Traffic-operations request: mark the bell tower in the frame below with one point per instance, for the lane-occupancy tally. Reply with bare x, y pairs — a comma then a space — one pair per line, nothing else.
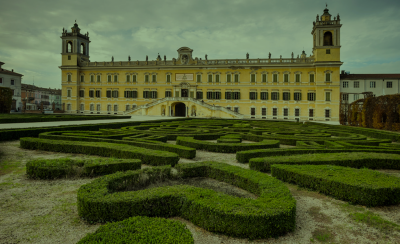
75, 46
326, 37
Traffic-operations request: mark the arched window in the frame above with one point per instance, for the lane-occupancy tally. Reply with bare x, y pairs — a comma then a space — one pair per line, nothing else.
328, 38
83, 50
69, 47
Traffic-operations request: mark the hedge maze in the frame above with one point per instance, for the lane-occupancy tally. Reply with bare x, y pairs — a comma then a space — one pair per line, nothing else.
339, 161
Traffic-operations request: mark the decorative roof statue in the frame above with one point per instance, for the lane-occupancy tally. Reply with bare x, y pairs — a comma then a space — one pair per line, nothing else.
129, 58
147, 58
247, 56
158, 57
165, 58
269, 55
281, 56
292, 54
206, 57
317, 17
112, 58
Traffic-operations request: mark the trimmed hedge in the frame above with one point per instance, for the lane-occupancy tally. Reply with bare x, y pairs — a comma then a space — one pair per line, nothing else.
141, 230
66, 167
232, 140
52, 117
358, 186
182, 151
354, 160
225, 147
147, 156
272, 214
245, 156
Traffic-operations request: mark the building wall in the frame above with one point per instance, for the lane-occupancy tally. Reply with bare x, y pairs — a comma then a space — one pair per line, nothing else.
6, 78
365, 86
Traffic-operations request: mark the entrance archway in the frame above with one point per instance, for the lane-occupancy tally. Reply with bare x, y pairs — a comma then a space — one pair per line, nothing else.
180, 110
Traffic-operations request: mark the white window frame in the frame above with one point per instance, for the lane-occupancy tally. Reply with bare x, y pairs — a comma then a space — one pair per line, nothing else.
372, 84
356, 84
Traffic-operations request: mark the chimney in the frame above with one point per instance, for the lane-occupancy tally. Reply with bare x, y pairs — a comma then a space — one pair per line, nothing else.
12, 70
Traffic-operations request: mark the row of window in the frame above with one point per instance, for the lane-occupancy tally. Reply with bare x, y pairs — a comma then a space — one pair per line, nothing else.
285, 112
345, 97
210, 78
372, 84
211, 95
98, 107
12, 81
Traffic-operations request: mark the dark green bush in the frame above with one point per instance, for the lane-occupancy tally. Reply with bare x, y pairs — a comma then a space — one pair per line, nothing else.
272, 214
66, 167
147, 156
358, 186
354, 160
231, 140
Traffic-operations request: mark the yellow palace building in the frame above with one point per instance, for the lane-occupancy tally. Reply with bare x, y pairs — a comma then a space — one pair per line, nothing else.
294, 88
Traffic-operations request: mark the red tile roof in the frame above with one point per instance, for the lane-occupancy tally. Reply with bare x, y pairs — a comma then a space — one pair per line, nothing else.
8, 72
369, 76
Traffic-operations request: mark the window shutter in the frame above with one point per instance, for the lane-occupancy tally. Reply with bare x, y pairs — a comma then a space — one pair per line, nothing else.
238, 95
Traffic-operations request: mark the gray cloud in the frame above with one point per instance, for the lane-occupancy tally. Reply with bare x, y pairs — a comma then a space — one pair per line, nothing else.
30, 41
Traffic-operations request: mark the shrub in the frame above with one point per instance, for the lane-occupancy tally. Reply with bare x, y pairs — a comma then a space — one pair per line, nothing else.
65, 167
147, 156
354, 160
358, 186
271, 214
232, 140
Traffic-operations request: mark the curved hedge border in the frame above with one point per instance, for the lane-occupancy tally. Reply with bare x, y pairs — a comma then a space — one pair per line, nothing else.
358, 186
51, 117
147, 156
229, 140
66, 167
245, 156
272, 214
182, 151
141, 230
354, 160
225, 147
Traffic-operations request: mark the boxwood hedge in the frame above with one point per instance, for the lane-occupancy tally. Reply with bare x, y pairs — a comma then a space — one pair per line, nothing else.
141, 230
354, 160
358, 186
66, 167
147, 156
272, 214
225, 147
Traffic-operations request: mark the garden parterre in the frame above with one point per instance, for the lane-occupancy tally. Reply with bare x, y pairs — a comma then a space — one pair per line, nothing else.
327, 145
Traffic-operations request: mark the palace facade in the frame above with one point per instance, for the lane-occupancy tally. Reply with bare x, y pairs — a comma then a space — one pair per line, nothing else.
302, 87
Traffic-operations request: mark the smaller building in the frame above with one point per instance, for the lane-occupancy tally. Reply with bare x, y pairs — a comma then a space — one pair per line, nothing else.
36, 95
352, 85
11, 79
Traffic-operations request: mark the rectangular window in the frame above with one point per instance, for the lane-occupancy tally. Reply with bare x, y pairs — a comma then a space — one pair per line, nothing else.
81, 93
198, 78
311, 112
69, 107
92, 78
98, 93
98, 78
285, 112
69, 57
236, 109
209, 95
356, 84
199, 95
264, 95
128, 78
328, 51
297, 77
127, 107
328, 77
91, 107
133, 78
168, 94
297, 112
146, 78
68, 93
236, 78
253, 111
109, 108
275, 77
264, 78
228, 78
327, 113
274, 112
263, 111
108, 94
210, 78
286, 96
154, 79
82, 78
345, 84
168, 78
146, 94
275, 96
91, 93
236, 95
311, 78
12, 82
228, 95
115, 78
216, 78
311, 96
153, 94
253, 96
372, 84
108, 78
286, 78
356, 97
115, 94
68, 77
82, 107
253, 77
345, 97
115, 108
297, 96
98, 107
388, 84
327, 96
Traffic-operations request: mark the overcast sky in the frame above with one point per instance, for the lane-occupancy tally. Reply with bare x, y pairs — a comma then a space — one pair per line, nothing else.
30, 31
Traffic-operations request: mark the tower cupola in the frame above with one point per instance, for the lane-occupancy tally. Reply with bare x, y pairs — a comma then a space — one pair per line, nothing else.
75, 28
326, 16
